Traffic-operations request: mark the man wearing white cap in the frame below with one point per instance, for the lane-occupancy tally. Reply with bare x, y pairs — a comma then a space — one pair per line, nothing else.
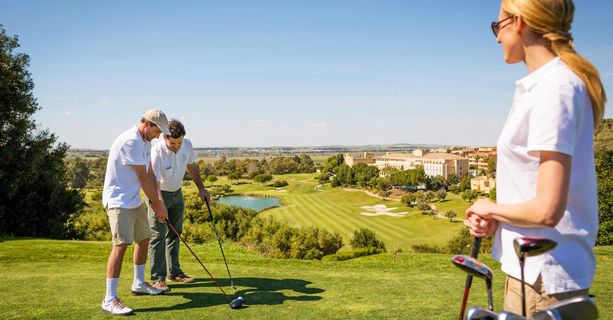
128, 171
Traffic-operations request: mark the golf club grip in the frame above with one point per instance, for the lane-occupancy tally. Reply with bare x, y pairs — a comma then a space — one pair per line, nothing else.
469, 278
218, 240
190, 250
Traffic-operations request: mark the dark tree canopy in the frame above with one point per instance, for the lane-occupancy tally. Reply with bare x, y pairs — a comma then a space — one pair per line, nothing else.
36, 199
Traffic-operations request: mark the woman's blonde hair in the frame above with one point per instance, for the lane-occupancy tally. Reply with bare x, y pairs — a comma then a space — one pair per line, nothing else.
552, 19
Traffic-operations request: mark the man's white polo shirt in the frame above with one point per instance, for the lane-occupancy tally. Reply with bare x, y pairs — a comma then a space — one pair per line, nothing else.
121, 184
169, 167
551, 112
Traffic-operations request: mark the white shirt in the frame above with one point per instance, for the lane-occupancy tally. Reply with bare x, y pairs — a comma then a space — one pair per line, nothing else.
169, 167
121, 184
551, 111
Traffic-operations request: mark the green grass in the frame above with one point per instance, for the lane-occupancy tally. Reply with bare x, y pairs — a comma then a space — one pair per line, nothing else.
339, 210
48, 279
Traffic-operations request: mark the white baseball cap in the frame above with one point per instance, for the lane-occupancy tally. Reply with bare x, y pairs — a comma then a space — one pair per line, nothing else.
159, 119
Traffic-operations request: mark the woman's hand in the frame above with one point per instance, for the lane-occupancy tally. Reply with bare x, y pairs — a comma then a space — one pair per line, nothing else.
479, 217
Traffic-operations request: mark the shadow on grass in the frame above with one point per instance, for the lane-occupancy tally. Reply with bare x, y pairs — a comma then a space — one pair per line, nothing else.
255, 291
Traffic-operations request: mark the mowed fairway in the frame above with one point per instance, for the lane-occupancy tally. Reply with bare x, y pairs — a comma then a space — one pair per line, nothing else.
339, 210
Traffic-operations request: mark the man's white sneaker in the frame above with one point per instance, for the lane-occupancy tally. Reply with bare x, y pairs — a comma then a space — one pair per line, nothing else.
146, 290
116, 308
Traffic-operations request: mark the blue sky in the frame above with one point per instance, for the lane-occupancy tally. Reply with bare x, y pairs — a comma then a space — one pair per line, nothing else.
270, 73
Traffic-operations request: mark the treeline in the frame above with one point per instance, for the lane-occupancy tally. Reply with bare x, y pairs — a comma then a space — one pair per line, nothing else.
253, 167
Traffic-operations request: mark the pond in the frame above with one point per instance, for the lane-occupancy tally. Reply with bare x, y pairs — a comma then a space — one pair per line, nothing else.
250, 202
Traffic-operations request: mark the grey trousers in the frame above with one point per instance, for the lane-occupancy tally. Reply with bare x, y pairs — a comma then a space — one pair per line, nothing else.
164, 244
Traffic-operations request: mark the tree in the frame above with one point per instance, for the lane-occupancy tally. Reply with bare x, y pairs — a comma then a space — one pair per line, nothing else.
36, 199
383, 193
491, 165
492, 194
453, 179
211, 178
262, 178
441, 194
437, 182
423, 205
469, 195
408, 199
364, 238
465, 183
604, 174
429, 195
433, 213
451, 215
234, 176
78, 170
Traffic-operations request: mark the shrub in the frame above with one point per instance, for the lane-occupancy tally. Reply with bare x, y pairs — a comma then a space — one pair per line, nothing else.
362, 252
363, 238
280, 183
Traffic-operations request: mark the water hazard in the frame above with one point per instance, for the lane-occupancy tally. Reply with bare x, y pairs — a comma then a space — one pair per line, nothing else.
251, 202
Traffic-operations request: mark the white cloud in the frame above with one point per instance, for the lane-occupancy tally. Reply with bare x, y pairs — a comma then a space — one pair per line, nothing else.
67, 113
318, 125
104, 101
262, 124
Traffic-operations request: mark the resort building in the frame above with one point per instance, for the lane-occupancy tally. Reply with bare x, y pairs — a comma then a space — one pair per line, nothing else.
434, 164
482, 184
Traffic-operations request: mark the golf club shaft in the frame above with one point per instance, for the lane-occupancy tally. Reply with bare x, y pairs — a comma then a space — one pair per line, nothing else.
490, 299
190, 250
523, 287
469, 278
218, 240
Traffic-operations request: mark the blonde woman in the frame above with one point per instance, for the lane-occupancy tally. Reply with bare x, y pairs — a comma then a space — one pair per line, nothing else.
546, 181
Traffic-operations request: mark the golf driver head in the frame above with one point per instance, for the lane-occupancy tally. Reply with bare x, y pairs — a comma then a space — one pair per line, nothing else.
475, 313
578, 308
506, 315
472, 266
237, 303
532, 246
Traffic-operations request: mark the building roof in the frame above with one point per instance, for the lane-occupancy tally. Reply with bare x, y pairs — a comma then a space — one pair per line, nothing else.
446, 156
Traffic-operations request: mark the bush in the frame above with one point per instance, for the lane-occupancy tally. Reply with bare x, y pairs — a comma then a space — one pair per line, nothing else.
97, 196
362, 252
280, 183
363, 238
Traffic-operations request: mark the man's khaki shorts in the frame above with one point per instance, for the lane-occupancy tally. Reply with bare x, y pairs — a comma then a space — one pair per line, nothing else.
536, 297
129, 225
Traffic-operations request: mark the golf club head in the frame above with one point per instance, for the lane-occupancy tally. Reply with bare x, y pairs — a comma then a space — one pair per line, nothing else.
475, 313
506, 315
530, 247
578, 308
232, 284
472, 266
237, 303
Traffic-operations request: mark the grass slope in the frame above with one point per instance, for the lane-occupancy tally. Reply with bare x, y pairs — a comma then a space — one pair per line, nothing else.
49, 279
339, 210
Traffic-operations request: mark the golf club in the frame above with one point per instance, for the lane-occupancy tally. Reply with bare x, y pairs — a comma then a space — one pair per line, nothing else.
506, 315
234, 304
219, 241
530, 247
477, 269
469, 277
578, 308
475, 313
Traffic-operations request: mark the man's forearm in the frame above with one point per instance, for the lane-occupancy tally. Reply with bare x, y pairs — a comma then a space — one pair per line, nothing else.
192, 169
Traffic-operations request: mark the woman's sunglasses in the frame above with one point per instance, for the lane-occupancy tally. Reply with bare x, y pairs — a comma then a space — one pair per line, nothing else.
496, 25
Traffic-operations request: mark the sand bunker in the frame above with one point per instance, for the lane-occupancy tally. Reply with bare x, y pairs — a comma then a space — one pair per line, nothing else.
381, 210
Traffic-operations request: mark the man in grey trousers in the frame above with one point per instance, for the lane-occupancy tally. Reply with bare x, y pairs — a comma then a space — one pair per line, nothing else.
170, 158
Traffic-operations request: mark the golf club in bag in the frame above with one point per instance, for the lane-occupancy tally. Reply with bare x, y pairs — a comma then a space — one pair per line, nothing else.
476, 268
530, 247
219, 241
234, 304
469, 277
578, 308
475, 313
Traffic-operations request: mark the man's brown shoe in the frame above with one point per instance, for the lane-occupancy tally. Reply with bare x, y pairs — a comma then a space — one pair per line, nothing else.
181, 277
161, 285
